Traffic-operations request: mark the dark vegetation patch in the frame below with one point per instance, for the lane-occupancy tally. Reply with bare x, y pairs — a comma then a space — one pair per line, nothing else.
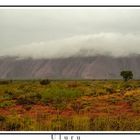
45, 82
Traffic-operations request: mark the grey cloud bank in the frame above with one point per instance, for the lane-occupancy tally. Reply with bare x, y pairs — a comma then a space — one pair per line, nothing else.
111, 44
69, 32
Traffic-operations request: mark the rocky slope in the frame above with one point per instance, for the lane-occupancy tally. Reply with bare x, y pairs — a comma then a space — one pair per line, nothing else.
99, 67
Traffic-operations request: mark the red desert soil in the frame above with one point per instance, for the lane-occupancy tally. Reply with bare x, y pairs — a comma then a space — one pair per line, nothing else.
98, 107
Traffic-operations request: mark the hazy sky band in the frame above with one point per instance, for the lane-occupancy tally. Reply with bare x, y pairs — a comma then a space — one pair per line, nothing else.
61, 32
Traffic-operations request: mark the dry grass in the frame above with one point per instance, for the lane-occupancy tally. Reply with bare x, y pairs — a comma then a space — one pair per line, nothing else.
70, 105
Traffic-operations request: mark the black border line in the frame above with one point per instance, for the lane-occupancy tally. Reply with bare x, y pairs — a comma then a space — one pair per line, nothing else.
70, 133
63, 133
69, 5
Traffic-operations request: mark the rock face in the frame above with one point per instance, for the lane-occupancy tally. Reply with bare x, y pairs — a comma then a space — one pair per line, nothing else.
98, 67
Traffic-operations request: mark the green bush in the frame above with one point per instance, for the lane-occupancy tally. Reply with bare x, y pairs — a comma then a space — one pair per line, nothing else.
61, 93
59, 96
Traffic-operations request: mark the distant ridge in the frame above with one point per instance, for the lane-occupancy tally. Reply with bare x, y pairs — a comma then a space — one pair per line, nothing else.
98, 67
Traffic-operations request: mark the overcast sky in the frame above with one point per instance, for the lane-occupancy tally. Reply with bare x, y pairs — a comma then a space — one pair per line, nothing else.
65, 32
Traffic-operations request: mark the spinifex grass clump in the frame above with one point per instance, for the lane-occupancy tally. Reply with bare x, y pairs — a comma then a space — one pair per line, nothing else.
59, 97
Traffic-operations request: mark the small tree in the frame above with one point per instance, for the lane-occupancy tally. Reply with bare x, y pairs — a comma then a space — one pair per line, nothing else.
127, 75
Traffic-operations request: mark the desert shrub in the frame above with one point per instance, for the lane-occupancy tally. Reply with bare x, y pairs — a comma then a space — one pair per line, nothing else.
80, 105
27, 107
81, 123
113, 100
19, 123
2, 118
126, 86
72, 85
13, 94
90, 93
98, 124
76, 123
5, 82
100, 92
2, 122
57, 123
13, 126
13, 123
87, 83
18, 92
28, 99
8, 95
130, 99
95, 92
111, 124
67, 124
77, 106
23, 100
6, 104
22, 87
136, 106
119, 123
45, 82
85, 123
110, 90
